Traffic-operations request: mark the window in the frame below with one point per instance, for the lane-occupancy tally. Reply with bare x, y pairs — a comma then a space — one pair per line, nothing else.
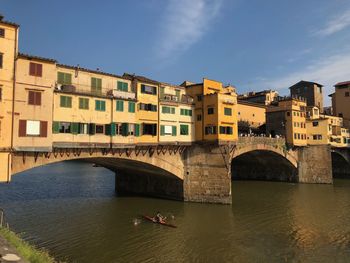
149, 129
35, 69
167, 130
147, 107
84, 103
185, 112
210, 111
96, 86
226, 130
210, 130
177, 92
66, 101
0, 93
168, 110
64, 78
199, 97
347, 94
99, 129
131, 106
317, 137
2, 32
295, 136
1, 59
120, 105
100, 105
288, 113
183, 129
294, 113
228, 111
34, 97
83, 128
340, 115
298, 136
315, 123
33, 128
64, 127
148, 89
122, 86
199, 117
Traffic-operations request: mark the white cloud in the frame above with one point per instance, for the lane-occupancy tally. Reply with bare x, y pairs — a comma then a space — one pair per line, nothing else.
183, 24
326, 71
335, 25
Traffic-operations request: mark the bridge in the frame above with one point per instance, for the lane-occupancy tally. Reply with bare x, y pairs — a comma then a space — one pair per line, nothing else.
201, 172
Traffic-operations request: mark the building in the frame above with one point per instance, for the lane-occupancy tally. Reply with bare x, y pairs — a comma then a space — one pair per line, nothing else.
287, 118
325, 129
251, 117
311, 91
215, 111
341, 101
265, 97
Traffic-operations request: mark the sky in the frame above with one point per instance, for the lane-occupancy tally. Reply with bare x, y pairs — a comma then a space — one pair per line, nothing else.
253, 45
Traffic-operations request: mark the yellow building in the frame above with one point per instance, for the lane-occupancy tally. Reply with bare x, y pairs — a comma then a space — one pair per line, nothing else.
215, 111
341, 101
287, 118
8, 53
325, 129
176, 118
251, 117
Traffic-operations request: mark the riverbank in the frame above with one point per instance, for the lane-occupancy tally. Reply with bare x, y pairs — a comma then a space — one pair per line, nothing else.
12, 246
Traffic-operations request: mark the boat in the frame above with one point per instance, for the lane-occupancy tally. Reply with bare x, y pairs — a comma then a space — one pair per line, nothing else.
156, 222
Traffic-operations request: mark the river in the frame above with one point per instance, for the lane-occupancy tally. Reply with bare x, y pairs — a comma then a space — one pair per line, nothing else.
71, 210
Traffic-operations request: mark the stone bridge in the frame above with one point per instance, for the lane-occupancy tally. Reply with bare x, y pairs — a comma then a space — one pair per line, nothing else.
199, 172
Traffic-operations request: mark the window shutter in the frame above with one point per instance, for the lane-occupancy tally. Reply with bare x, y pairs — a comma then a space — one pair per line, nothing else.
37, 98
55, 127
60, 77
125, 129
22, 129
69, 102
108, 129
137, 130
174, 131
131, 106
92, 128
39, 70
113, 129
189, 112
43, 129
103, 103
162, 130
74, 128
172, 110
97, 104
31, 69
31, 98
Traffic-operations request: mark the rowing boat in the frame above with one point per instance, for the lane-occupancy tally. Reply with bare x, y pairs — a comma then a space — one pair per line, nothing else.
156, 222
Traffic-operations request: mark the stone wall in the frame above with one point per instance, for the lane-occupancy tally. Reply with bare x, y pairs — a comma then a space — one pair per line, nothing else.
207, 177
315, 164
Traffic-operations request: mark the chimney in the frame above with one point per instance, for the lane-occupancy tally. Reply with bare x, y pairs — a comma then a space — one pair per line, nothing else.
1, 17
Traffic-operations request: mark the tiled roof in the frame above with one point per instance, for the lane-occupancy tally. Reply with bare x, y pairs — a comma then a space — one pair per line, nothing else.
303, 81
8, 23
140, 78
90, 70
342, 83
22, 55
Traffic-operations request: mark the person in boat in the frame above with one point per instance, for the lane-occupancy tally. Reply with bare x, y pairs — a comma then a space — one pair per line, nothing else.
159, 218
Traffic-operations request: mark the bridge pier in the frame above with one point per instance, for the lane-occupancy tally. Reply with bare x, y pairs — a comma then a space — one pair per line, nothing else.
207, 176
315, 164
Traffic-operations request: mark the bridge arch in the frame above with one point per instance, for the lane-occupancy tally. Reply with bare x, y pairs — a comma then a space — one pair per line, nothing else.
264, 162
340, 164
152, 173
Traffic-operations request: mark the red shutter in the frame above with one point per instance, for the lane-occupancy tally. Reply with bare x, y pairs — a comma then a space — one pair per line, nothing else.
32, 69
39, 70
22, 129
37, 98
43, 129
31, 97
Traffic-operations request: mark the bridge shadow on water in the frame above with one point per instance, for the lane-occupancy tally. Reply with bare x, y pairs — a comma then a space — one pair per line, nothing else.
340, 166
263, 165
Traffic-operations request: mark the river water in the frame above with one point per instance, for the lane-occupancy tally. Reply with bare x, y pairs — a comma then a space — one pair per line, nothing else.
71, 210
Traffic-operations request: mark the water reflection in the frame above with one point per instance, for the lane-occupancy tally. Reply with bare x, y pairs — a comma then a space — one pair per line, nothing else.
71, 210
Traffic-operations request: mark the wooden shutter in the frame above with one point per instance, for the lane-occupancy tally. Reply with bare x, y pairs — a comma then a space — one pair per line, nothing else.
113, 129
108, 130
37, 97
31, 97
75, 128
32, 69
43, 128
142, 88
60, 77
39, 70
92, 128
137, 130
162, 130
22, 129
55, 127
174, 131
125, 129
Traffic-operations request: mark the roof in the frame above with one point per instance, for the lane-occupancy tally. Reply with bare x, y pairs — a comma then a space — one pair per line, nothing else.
30, 57
303, 81
8, 23
342, 83
90, 70
140, 78
253, 104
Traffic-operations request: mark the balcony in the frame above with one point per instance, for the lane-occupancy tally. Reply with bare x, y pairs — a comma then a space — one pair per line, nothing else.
174, 99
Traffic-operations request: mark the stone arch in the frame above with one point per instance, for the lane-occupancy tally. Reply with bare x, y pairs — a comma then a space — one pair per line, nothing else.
340, 164
263, 162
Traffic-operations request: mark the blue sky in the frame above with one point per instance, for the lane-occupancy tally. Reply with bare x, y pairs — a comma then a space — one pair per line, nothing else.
253, 45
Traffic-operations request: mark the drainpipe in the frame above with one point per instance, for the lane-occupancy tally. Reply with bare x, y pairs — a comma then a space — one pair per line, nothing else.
13, 101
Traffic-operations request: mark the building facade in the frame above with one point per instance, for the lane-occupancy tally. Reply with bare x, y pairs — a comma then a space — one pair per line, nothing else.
251, 117
311, 91
341, 101
265, 97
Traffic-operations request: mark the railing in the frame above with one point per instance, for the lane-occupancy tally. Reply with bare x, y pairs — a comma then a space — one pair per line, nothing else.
261, 140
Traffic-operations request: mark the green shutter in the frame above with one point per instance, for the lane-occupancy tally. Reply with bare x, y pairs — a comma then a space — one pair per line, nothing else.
113, 129
55, 127
162, 130
189, 112
120, 105
137, 130
103, 104
182, 111
177, 94
174, 131
68, 79
60, 78
131, 106
97, 104
92, 128
172, 110
74, 128
119, 85
107, 129
125, 129
183, 129
161, 92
